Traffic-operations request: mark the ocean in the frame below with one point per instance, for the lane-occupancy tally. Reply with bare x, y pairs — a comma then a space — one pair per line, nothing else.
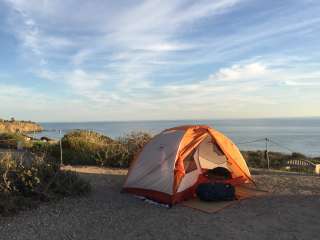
286, 134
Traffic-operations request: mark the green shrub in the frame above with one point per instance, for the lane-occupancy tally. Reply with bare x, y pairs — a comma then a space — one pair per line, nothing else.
91, 148
68, 183
23, 184
41, 147
133, 143
24, 177
277, 160
122, 152
10, 140
255, 158
258, 159
84, 136
113, 155
7, 165
83, 147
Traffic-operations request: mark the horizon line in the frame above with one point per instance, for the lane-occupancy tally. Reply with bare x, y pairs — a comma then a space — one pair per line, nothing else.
177, 120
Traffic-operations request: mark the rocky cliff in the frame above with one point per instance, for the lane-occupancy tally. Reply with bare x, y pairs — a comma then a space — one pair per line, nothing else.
19, 126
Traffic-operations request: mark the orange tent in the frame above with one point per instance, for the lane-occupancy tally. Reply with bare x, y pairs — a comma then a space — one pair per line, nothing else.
168, 168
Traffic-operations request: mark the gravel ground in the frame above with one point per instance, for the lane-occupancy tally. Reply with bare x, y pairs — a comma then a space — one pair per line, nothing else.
291, 211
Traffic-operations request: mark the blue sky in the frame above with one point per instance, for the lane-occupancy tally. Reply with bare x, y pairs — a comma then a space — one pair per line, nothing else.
79, 60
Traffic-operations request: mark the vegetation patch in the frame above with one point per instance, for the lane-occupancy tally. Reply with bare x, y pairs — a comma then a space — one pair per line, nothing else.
26, 182
12, 140
83, 147
90, 148
277, 160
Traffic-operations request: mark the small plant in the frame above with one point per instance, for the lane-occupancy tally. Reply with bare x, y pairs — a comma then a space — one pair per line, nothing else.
68, 183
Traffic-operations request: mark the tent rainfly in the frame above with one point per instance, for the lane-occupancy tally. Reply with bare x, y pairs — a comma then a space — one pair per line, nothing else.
167, 169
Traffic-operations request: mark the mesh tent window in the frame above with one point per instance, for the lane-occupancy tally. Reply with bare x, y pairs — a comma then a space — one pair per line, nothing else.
190, 163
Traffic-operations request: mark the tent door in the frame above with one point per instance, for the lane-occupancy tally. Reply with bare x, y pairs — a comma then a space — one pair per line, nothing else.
191, 177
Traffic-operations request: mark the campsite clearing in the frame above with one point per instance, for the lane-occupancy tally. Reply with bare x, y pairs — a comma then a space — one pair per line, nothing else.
290, 212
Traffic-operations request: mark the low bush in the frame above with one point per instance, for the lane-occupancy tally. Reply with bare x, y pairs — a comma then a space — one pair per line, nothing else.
113, 155
134, 142
277, 160
24, 184
41, 147
78, 137
122, 152
67, 183
90, 148
83, 147
11, 140
254, 158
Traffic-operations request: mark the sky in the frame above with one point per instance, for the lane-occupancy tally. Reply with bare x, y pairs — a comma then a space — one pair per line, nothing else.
99, 60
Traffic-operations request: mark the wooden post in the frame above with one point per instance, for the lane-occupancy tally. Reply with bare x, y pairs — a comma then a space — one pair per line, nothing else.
60, 143
267, 153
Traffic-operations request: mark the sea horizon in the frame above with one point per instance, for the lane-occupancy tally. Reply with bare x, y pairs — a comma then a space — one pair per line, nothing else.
295, 134
186, 119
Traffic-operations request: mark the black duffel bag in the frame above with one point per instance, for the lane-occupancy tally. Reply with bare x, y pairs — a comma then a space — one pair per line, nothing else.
215, 192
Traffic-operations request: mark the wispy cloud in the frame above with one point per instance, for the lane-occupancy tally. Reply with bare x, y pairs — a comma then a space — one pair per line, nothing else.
156, 57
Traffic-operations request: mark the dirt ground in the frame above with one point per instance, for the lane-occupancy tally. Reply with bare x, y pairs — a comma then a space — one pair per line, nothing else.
291, 211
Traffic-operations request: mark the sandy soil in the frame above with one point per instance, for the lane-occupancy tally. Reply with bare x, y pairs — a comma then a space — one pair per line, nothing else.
291, 211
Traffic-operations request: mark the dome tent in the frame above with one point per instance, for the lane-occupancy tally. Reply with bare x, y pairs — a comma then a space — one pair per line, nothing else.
167, 169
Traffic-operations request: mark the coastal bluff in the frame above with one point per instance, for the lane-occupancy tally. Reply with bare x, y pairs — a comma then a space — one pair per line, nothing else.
19, 126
